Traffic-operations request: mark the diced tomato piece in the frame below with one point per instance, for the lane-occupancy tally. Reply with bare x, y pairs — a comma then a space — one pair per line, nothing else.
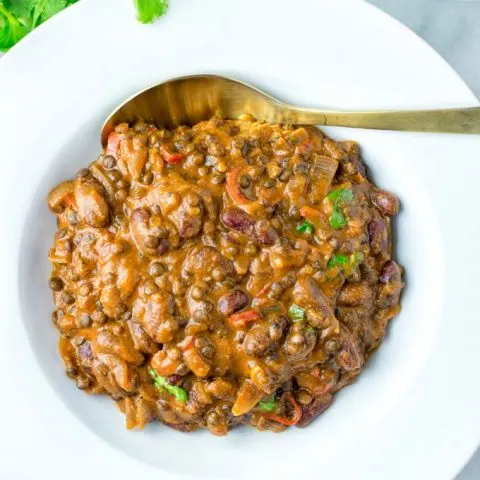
309, 212
113, 143
169, 157
241, 318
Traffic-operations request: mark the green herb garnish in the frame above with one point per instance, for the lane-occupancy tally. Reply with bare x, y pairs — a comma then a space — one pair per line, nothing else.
268, 405
161, 383
306, 227
345, 262
340, 195
11, 29
296, 313
337, 197
338, 260
19, 17
337, 219
149, 10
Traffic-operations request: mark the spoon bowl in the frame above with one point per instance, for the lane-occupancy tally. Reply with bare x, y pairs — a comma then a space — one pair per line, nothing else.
189, 100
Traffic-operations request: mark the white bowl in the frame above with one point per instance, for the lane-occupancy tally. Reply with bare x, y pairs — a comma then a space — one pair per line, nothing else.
345, 54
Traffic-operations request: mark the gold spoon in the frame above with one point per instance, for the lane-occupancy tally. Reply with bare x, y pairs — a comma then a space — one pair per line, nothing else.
188, 100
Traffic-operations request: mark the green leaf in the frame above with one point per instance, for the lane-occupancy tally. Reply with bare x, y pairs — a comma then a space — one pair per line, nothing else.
340, 195
306, 227
21, 9
268, 405
296, 313
161, 383
12, 29
345, 262
44, 9
19, 17
337, 260
149, 10
337, 219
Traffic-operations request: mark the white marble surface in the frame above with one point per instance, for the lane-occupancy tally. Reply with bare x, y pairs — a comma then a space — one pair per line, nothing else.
452, 28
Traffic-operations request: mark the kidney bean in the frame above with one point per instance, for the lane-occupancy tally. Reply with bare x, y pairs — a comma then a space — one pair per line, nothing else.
378, 236
85, 353
349, 356
311, 411
238, 220
390, 273
232, 302
386, 202
188, 218
242, 222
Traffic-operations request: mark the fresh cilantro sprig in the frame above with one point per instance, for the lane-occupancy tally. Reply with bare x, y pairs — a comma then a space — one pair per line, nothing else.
306, 227
11, 29
345, 262
268, 405
20, 17
161, 383
337, 197
149, 10
296, 313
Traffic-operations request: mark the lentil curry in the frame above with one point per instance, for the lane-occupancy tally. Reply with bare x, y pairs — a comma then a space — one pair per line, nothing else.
228, 273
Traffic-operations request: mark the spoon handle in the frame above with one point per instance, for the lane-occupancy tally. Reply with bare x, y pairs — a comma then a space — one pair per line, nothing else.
453, 120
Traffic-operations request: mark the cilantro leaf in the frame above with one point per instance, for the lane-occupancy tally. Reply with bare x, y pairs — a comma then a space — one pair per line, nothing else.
21, 9
19, 17
161, 383
337, 260
338, 196
149, 10
337, 219
44, 9
345, 262
306, 227
12, 29
268, 405
296, 313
